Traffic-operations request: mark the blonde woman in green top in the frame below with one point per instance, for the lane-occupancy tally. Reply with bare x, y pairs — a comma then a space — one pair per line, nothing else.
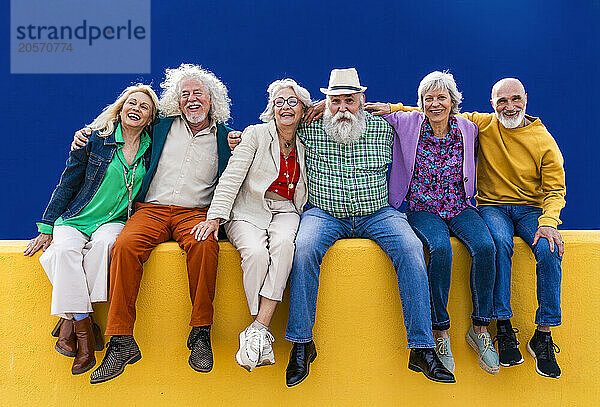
85, 214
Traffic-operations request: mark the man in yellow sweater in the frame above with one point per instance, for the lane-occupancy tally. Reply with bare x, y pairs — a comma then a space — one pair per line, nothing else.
521, 189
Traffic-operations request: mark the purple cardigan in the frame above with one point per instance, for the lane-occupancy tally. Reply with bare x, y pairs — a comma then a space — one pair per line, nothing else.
407, 128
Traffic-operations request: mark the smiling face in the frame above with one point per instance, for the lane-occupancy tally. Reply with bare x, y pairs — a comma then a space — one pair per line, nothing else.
437, 105
286, 115
509, 101
136, 111
194, 101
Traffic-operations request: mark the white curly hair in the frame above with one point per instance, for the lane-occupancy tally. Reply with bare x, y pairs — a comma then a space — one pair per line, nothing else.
301, 93
168, 104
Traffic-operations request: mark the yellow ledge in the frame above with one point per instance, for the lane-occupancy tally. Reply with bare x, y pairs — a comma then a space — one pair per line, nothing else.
359, 333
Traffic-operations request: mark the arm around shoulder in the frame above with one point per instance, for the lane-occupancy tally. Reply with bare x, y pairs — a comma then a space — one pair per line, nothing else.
399, 107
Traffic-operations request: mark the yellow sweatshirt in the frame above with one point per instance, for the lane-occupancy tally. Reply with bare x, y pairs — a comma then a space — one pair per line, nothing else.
521, 166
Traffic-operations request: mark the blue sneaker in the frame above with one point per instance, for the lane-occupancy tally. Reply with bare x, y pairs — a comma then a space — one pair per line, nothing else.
442, 349
482, 344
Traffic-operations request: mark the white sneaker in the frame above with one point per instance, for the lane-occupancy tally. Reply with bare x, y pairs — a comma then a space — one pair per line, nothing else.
251, 343
267, 357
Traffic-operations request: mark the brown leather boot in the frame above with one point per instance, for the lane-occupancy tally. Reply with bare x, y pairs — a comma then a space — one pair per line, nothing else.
56, 331
66, 344
85, 358
98, 336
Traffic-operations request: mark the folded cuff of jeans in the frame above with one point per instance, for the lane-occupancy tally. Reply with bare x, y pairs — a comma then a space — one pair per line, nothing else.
298, 340
480, 321
549, 323
427, 345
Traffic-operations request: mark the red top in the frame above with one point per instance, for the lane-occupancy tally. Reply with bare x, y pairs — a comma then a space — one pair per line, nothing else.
289, 174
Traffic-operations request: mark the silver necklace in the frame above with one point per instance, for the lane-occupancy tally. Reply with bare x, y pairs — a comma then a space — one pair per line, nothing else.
129, 186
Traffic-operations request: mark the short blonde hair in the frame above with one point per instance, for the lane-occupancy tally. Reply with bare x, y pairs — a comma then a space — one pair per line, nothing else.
104, 124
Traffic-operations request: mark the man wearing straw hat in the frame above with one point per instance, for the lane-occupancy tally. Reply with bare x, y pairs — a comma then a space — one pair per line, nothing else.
348, 152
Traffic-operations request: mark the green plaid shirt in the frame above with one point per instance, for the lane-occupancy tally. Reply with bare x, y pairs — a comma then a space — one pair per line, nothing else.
348, 180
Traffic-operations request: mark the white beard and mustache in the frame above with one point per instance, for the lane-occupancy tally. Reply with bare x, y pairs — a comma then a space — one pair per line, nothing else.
344, 131
194, 117
511, 122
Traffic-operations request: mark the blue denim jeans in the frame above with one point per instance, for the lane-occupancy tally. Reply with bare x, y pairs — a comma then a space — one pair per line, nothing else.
390, 230
504, 222
468, 226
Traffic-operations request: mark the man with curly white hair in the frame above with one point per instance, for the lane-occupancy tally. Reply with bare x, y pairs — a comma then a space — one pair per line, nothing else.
189, 152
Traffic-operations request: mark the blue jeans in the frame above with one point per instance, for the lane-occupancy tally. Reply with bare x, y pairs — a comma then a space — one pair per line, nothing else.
504, 222
468, 226
389, 229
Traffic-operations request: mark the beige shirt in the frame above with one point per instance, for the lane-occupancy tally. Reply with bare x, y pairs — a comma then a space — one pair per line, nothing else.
188, 167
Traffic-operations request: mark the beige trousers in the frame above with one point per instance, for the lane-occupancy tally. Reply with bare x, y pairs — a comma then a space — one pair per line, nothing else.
77, 266
267, 255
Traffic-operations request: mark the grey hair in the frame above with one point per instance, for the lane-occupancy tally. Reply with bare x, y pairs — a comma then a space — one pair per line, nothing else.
440, 80
301, 93
168, 104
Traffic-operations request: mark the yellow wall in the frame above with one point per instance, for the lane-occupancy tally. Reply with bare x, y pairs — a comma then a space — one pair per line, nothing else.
360, 337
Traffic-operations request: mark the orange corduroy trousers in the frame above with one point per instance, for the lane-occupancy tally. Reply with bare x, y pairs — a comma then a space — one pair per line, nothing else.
150, 225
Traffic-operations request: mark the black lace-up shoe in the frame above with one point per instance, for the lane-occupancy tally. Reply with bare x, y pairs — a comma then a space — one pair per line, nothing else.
120, 351
426, 360
201, 358
542, 349
301, 356
508, 345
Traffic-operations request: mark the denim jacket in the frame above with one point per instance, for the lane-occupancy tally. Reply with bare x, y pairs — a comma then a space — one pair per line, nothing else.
82, 177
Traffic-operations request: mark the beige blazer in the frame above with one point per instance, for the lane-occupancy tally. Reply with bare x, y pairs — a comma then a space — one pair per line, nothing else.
252, 168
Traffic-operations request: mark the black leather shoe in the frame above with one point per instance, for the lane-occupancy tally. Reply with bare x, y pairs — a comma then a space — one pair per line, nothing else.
425, 360
122, 350
301, 356
201, 357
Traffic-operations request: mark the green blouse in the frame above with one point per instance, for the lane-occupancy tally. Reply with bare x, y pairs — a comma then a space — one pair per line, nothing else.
109, 203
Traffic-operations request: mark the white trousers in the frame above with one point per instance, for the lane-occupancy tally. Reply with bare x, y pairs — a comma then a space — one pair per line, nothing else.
267, 255
77, 266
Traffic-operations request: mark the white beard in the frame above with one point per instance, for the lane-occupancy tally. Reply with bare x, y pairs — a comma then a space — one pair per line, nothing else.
195, 117
344, 131
511, 122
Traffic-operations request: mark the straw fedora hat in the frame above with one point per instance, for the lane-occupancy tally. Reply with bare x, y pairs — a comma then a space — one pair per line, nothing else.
342, 82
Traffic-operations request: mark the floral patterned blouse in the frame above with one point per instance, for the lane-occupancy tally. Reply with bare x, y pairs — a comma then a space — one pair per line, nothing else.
437, 185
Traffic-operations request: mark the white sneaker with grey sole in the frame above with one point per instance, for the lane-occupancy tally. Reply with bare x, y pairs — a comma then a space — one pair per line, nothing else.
251, 343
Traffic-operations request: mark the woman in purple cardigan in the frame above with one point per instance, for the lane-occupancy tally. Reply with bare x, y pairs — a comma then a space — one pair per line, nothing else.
433, 171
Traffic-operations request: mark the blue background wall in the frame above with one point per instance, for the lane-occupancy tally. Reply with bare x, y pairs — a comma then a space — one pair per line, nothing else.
552, 46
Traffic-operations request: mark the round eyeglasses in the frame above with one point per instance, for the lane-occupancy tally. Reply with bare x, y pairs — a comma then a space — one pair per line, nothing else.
291, 101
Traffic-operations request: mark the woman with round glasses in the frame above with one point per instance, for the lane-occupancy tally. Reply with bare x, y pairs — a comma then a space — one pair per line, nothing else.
259, 199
